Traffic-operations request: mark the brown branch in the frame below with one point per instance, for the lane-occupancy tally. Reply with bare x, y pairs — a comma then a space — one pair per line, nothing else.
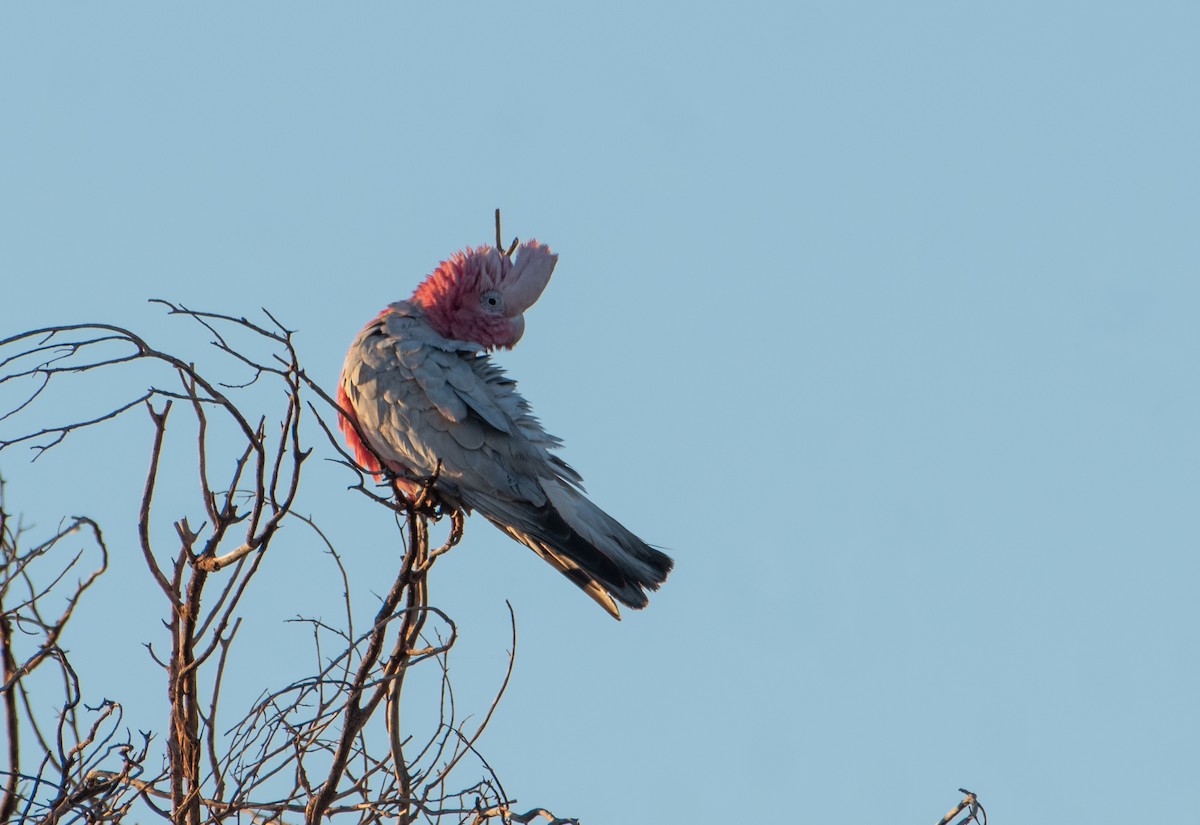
9, 803
355, 715
160, 427
206, 495
504, 813
397, 666
60, 433
215, 766
975, 814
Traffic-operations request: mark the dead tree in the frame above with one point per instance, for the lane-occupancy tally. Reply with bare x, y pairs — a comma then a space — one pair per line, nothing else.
312, 749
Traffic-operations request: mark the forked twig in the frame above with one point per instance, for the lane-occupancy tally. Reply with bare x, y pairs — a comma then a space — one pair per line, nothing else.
500, 243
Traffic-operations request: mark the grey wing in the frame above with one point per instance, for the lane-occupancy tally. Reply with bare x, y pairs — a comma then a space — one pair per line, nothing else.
421, 399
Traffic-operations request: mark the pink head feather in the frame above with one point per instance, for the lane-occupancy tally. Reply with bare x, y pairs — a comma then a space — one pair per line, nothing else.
481, 295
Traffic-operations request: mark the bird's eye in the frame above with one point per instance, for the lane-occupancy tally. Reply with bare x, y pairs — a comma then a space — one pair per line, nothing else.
492, 301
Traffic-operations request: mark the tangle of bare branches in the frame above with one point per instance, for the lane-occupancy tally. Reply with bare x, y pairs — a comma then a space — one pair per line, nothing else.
312, 749
330, 744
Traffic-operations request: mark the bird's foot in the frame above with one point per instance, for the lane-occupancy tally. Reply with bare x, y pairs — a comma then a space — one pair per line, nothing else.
456, 531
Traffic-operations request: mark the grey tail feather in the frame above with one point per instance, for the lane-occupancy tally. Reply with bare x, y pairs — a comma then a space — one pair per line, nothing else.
638, 568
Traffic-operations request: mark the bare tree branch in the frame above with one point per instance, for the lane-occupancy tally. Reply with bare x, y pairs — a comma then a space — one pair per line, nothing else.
307, 749
970, 804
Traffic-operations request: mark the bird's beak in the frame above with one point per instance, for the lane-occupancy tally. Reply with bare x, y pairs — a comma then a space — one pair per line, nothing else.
518, 327
529, 275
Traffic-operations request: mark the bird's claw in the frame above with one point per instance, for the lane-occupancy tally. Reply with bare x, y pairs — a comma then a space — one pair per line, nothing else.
456, 531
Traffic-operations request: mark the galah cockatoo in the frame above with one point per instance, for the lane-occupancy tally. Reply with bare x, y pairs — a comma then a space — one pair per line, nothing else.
431, 403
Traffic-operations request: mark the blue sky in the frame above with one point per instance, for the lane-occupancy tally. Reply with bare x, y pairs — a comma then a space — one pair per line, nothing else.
880, 317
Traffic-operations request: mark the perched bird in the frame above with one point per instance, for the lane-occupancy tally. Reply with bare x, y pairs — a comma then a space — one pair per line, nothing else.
429, 400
